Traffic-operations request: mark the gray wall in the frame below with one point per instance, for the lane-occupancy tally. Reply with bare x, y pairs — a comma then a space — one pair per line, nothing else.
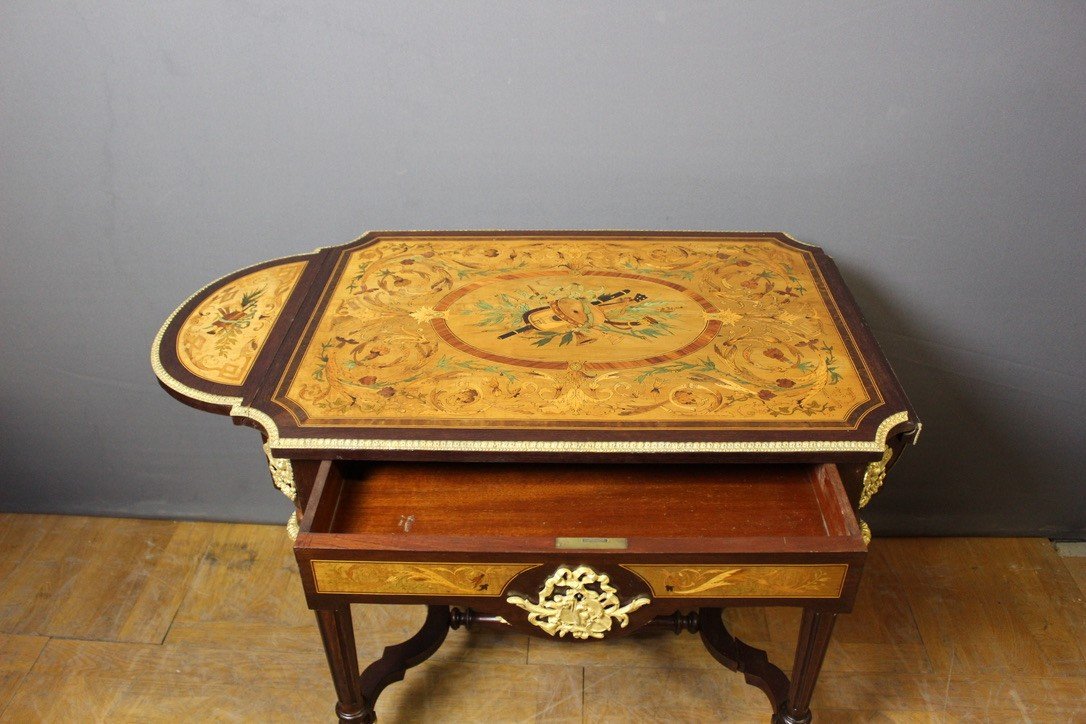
936, 150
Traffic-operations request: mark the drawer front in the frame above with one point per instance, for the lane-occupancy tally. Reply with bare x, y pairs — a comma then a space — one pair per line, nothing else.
676, 580
581, 596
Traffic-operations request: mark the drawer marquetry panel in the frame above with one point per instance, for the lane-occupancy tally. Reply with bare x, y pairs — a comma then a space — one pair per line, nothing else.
397, 578
751, 581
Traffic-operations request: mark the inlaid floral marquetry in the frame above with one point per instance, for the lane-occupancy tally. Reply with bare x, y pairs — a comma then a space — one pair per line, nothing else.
222, 337
397, 578
750, 581
608, 344
432, 331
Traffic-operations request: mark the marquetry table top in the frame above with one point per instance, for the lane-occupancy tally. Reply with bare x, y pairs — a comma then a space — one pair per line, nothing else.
507, 344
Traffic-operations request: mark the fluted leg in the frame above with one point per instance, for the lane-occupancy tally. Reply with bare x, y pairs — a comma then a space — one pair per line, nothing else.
814, 638
337, 633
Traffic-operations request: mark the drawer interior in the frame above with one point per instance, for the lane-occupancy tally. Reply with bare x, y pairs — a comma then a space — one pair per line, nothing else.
402, 502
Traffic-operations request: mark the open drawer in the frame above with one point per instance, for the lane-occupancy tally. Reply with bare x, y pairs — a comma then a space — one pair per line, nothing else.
481, 534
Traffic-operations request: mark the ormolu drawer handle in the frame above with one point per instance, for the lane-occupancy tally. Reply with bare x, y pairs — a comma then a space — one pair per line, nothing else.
567, 604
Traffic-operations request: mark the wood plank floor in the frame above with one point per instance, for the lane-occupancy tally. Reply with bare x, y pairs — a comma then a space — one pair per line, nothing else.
131, 620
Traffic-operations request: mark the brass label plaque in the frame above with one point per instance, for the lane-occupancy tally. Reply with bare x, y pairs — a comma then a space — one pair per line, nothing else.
591, 543
817, 580
397, 578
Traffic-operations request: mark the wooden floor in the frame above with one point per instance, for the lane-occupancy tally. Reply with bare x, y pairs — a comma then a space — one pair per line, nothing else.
132, 620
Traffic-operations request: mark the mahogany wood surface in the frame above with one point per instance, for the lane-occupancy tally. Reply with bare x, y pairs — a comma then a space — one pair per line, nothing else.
500, 512
814, 638
337, 633
396, 660
573, 501
738, 656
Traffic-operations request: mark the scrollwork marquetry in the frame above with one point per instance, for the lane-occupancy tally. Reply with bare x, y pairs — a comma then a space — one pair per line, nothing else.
402, 578
271, 430
657, 329
579, 602
875, 476
750, 581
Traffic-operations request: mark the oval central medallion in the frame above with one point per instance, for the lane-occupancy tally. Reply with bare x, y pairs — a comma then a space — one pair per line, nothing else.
592, 320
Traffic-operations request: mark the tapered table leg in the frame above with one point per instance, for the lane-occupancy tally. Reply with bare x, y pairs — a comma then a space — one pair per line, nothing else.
337, 633
814, 637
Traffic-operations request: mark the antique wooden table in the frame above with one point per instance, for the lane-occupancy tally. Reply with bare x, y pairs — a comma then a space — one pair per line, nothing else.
568, 434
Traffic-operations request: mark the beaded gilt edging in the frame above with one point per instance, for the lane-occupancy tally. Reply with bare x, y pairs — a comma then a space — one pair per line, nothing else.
590, 446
